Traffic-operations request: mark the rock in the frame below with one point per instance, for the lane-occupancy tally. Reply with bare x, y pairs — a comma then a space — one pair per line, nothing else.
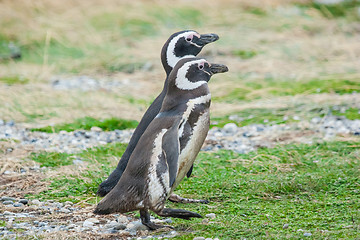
65, 210
88, 224
286, 226
93, 220
8, 202
230, 128
7, 213
307, 234
211, 215
18, 205
96, 129
122, 219
23, 201
7, 199
198, 238
115, 225
35, 202
135, 226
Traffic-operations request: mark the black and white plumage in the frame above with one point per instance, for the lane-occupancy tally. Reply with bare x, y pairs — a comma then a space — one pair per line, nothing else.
179, 45
168, 147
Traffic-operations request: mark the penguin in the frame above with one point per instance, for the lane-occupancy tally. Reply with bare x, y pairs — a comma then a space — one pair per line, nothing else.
168, 147
179, 45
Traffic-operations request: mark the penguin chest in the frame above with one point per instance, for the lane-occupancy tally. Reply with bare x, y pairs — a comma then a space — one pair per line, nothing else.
192, 136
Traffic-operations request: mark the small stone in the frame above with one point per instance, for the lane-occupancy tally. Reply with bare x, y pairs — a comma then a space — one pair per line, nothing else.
35, 202
7, 213
286, 226
135, 226
88, 224
198, 238
93, 220
211, 215
230, 128
307, 234
18, 205
23, 201
7, 202
64, 210
122, 219
7, 199
168, 220
96, 129
42, 224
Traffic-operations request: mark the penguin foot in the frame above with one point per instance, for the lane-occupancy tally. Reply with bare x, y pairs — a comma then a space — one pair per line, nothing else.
106, 186
145, 220
178, 213
178, 199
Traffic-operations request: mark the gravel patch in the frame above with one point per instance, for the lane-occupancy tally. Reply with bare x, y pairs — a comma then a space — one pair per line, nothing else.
23, 217
39, 218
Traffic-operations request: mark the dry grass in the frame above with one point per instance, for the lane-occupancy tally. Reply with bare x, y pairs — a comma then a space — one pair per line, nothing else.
289, 46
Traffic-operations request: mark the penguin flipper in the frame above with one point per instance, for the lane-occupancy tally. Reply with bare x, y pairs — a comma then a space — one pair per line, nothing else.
170, 145
190, 171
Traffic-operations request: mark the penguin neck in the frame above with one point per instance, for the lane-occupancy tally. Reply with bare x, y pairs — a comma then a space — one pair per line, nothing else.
176, 98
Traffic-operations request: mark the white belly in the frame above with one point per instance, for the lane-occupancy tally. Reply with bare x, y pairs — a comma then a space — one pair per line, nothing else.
192, 148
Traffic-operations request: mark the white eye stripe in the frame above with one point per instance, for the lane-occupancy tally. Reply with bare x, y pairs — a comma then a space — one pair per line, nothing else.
171, 58
182, 82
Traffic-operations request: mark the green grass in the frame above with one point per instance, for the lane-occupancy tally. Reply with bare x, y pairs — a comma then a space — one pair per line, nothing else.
51, 159
87, 123
310, 187
245, 54
255, 116
350, 113
84, 185
11, 80
341, 9
274, 87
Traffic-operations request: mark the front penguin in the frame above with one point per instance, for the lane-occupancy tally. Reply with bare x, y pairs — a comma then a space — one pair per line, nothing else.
168, 148
179, 45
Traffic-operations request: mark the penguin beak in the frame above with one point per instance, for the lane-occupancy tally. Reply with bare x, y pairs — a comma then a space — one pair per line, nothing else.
208, 38
218, 68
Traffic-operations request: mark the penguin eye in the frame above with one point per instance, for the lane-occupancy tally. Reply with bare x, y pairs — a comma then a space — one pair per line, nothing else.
201, 66
189, 38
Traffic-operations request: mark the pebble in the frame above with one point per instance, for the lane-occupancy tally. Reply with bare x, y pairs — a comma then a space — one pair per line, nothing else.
211, 215
307, 234
7, 199
198, 238
24, 201
18, 205
8, 202
286, 226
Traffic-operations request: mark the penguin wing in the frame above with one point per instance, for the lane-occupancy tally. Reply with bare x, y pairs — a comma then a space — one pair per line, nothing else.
190, 171
170, 145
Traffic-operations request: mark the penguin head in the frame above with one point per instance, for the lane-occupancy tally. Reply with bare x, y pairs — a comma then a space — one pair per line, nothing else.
191, 73
184, 44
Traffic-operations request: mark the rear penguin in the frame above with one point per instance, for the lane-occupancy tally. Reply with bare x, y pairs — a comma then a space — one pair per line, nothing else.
179, 45
168, 148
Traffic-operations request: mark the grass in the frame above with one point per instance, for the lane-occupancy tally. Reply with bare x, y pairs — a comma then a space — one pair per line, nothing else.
254, 116
271, 87
310, 187
350, 113
87, 123
245, 54
75, 187
345, 8
11, 80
